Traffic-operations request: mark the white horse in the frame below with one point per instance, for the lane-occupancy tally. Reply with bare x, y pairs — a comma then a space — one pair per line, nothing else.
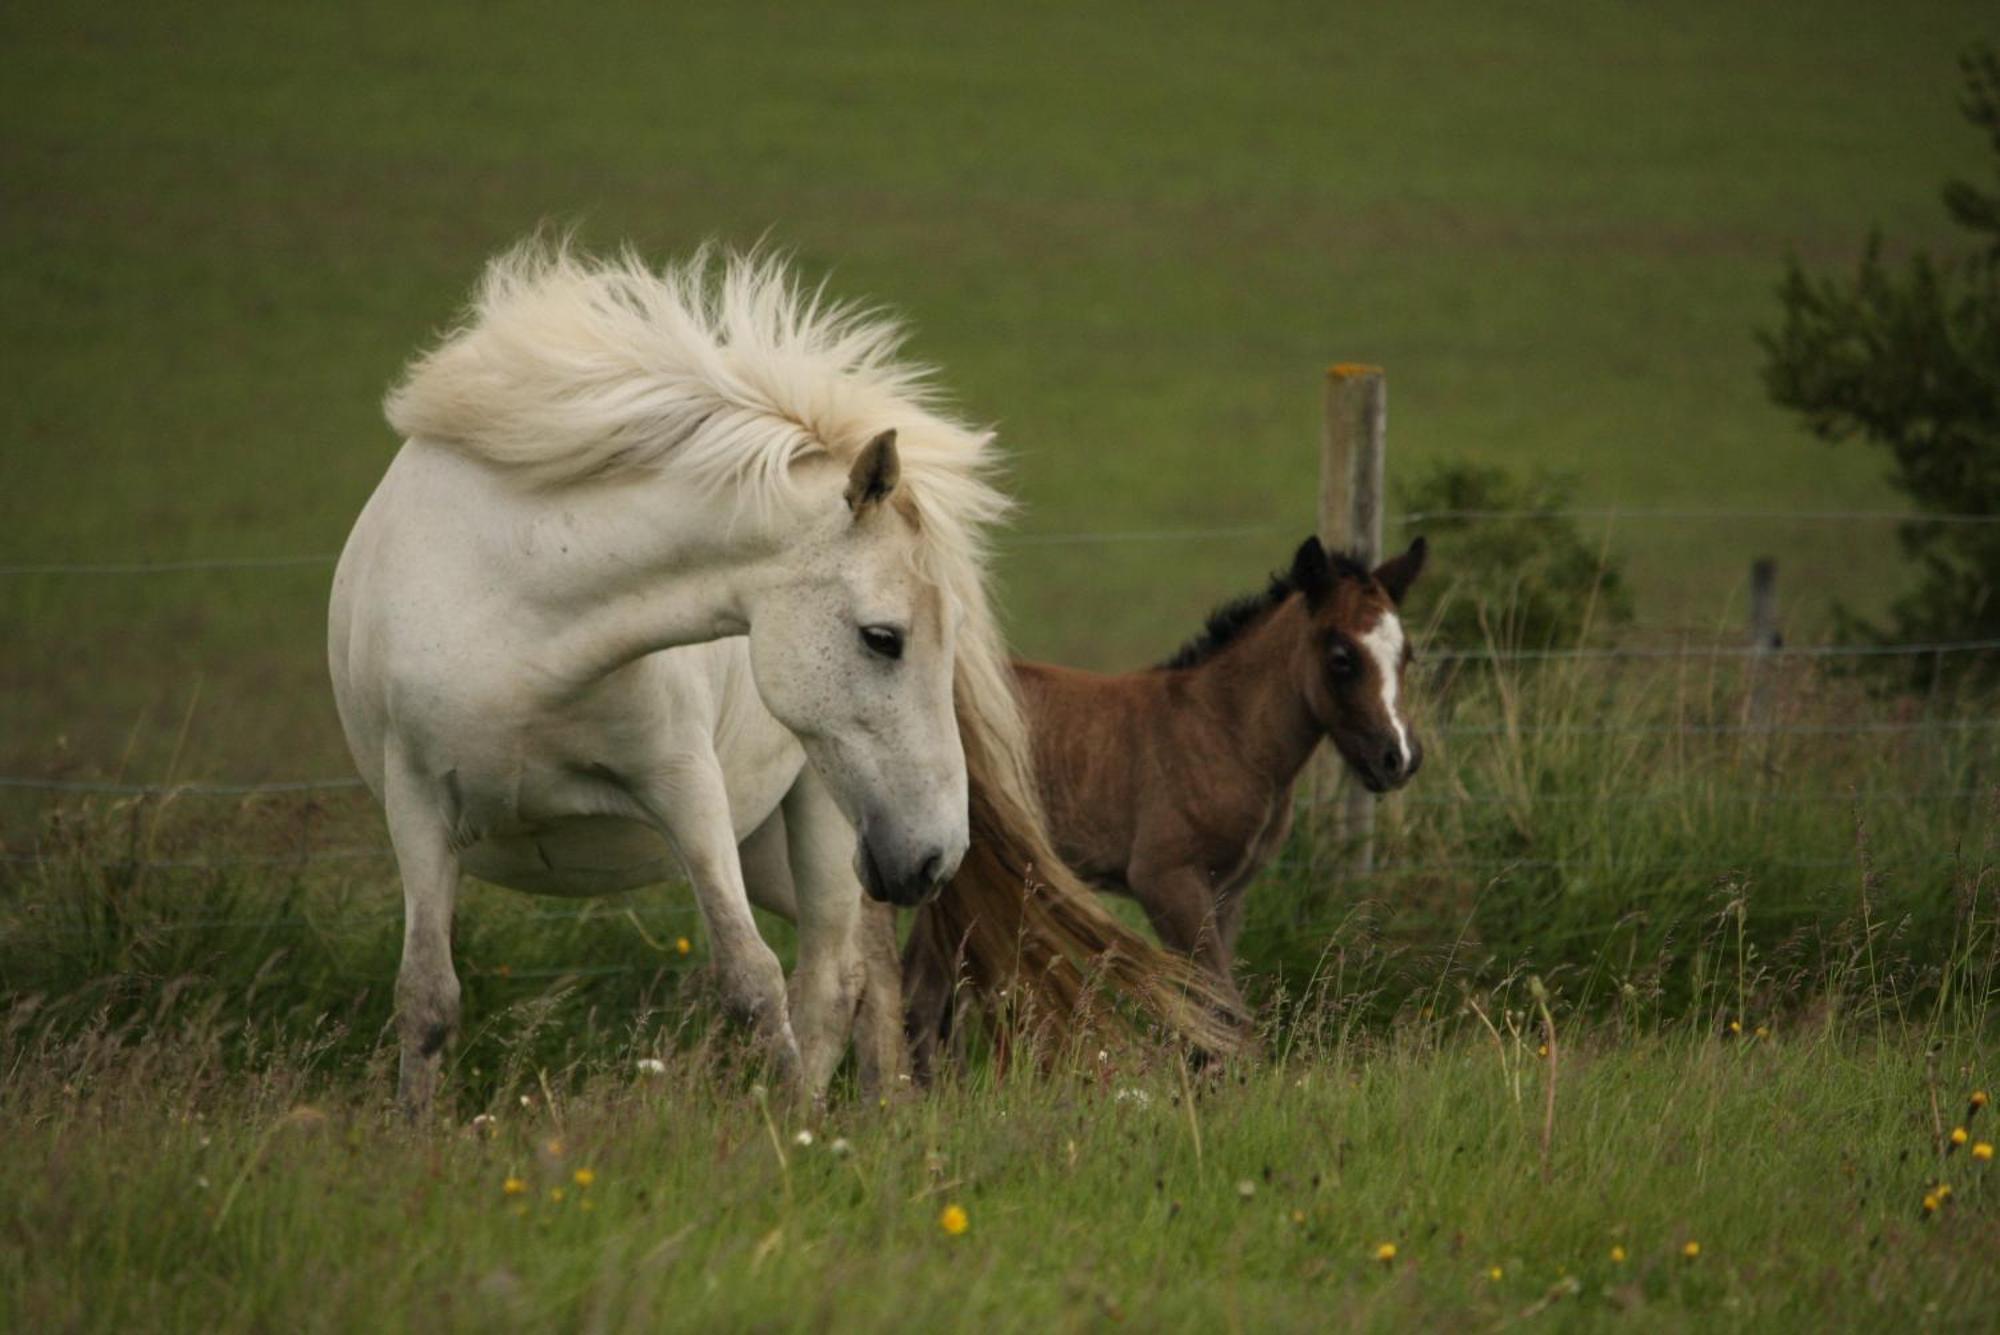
604, 462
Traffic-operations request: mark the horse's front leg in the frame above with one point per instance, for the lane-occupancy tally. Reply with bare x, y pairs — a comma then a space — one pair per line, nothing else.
427, 994
827, 982
689, 803
880, 1043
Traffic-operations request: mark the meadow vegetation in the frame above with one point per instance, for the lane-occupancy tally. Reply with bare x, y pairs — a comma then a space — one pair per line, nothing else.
1671, 977
1628, 975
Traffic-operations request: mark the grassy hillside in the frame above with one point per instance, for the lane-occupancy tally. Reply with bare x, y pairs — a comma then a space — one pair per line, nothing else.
1132, 240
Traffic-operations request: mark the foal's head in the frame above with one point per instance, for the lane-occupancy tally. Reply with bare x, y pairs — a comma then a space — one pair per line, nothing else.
1351, 666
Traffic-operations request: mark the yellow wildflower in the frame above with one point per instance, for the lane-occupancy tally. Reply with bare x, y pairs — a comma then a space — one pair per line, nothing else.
1386, 1253
1930, 1203
1690, 1249
682, 945
1979, 1098
1763, 1031
513, 1186
1959, 1136
1943, 1192
583, 1177
556, 1194
1736, 1026
1982, 1151
1617, 1254
953, 1220
1496, 1274
1298, 1216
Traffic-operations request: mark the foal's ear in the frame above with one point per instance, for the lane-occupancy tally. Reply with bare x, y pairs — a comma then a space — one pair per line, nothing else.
1312, 575
874, 473
1398, 573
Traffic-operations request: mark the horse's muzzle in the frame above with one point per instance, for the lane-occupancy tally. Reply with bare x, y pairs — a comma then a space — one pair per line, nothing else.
916, 884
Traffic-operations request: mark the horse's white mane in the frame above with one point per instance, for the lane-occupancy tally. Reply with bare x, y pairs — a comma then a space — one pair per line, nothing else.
725, 371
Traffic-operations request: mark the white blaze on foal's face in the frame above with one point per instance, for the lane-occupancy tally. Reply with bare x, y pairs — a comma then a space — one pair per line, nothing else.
1385, 645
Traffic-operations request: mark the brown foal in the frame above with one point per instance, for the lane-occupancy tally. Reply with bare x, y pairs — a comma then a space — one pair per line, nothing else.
1173, 785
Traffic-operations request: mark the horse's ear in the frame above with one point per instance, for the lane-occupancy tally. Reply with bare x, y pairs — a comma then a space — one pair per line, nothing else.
1398, 573
875, 472
1312, 575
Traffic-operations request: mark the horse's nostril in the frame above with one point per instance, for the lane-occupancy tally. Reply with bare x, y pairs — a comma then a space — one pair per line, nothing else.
1392, 762
934, 868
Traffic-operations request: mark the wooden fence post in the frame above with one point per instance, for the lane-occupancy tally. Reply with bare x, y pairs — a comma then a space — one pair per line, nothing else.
1351, 503
1764, 638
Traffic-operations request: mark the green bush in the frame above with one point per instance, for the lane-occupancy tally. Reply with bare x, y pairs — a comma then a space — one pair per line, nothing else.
1528, 580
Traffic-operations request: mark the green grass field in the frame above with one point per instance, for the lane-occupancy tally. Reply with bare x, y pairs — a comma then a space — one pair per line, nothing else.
1133, 239
148, 1186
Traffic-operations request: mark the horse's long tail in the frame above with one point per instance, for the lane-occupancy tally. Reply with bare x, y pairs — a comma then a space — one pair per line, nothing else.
1033, 944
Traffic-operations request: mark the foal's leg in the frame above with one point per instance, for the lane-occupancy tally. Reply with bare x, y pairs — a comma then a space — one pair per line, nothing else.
1183, 908
827, 981
426, 985
687, 800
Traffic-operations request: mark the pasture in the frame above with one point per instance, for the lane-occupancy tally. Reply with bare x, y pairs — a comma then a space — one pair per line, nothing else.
1766, 942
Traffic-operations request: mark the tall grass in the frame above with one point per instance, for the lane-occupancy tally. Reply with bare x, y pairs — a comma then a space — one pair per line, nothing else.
1631, 831
1652, 986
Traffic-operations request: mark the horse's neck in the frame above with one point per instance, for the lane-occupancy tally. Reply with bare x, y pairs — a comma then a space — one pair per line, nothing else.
1251, 689
602, 574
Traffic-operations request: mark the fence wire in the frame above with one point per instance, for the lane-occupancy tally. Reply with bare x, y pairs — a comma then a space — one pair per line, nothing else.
1057, 539
1496, 731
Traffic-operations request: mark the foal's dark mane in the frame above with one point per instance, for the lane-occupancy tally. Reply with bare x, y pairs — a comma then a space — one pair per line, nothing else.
1228, 623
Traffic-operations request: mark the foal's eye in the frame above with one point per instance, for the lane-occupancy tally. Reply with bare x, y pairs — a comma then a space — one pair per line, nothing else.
1341, 661
885, 641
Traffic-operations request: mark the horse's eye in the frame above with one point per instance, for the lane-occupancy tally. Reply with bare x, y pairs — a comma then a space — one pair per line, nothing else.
1341, 661
886, 641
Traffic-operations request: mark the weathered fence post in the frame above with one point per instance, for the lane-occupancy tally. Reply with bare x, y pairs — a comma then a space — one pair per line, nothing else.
1764, 638
1351, 502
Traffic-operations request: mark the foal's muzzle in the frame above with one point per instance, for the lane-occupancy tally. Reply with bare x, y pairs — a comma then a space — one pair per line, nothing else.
1383, 768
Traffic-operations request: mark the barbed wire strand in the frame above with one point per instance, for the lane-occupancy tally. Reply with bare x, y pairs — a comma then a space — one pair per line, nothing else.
95, 788
1056, 539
